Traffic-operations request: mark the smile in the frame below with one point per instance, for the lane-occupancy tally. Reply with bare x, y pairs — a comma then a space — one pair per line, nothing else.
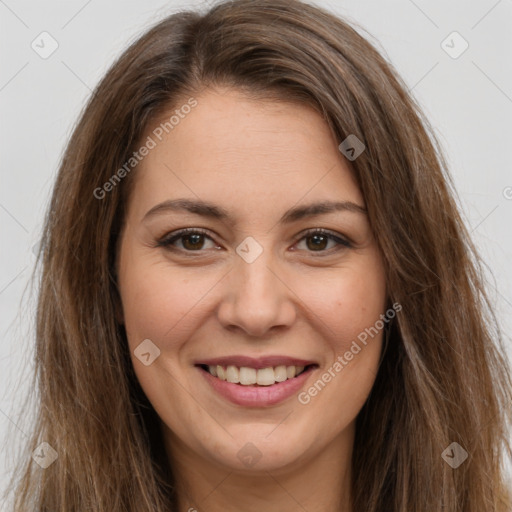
246, 376
256, 387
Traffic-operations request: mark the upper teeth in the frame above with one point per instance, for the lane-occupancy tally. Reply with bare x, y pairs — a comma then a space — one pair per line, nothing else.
248, 376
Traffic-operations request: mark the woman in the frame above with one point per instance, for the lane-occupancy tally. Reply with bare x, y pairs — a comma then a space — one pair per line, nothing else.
257, 291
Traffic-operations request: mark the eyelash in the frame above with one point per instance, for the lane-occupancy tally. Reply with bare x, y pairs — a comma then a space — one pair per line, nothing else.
170, 238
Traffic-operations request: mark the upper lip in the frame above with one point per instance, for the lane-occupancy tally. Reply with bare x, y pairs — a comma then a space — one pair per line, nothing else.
255, 362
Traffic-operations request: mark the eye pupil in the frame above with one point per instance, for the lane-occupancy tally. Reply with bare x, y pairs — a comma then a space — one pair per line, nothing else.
197, 240
319, 241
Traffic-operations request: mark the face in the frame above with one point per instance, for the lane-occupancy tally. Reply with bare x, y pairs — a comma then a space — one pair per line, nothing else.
263, 285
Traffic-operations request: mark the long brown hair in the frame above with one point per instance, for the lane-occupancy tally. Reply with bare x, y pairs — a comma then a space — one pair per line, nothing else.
443, 377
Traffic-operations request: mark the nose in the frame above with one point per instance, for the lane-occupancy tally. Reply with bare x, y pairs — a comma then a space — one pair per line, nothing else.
258, 298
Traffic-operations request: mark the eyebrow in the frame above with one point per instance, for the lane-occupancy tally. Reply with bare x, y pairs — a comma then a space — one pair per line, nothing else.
213, 211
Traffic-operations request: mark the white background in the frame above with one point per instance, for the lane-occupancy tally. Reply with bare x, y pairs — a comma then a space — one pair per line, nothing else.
468, 100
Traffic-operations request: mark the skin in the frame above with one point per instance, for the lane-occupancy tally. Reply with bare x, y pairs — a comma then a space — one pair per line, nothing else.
256, 159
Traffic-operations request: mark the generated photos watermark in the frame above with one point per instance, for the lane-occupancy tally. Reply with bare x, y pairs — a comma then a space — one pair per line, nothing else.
150, 143
341, 361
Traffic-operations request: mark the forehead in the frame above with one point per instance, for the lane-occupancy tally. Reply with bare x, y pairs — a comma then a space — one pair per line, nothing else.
228, 125
243, 152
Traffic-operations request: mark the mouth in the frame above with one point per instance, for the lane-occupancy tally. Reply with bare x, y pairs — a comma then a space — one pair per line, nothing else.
253, 386
255, 377
256, 381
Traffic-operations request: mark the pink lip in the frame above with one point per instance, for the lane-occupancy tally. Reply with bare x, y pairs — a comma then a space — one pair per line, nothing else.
255, 362
257, 396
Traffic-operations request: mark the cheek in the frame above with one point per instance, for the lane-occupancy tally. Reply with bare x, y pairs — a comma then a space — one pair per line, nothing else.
346, 300
160, 304
149, 309
157, 299
349, 308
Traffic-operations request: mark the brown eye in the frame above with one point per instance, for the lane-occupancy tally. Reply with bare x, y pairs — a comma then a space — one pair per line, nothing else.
318, 241
192, 240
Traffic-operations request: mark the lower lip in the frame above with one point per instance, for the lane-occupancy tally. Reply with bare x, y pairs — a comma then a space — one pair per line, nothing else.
257, 396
